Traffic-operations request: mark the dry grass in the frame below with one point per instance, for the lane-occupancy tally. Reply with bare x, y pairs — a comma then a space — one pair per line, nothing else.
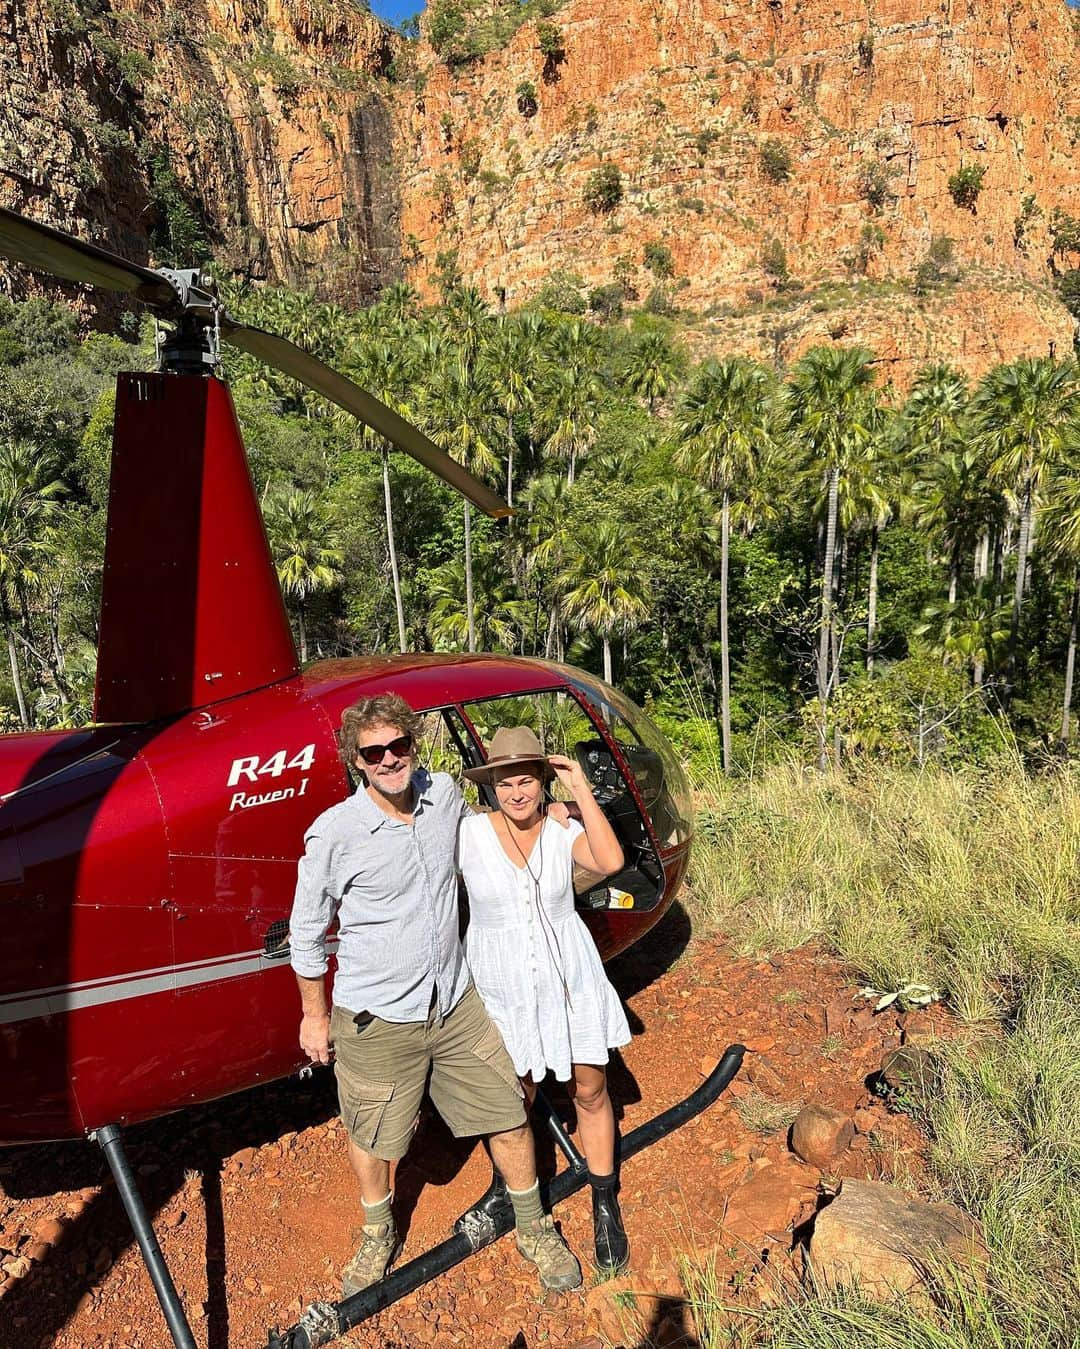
968, 883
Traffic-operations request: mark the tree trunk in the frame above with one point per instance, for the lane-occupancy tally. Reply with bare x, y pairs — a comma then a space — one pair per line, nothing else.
302, 629
607, 659
982, 556
468, 578
549, 640
1070, 660
725, 655
392, 549
1021, 580
570, 470
826, 621
16, 676
510, 461
871, 605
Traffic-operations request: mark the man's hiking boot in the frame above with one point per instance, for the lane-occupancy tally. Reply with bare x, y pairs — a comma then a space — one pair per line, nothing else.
378, 1248
609, 1235
542, 1246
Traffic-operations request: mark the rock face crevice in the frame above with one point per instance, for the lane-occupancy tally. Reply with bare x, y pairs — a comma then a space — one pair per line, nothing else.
302, 141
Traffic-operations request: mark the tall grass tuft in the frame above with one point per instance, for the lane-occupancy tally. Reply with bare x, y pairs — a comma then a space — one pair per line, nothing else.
968, 882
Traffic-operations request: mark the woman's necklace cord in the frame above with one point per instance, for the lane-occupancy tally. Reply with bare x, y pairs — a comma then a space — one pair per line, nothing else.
546, 925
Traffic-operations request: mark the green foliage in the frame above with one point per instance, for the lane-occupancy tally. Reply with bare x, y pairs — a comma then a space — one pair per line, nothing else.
705, 139
525, 95
178, 237
549, 39
776, 160
658, 259
1065, 233
966, 184
446, 28
1029, 212
563, 291
603, 189
607, 301
865, 50
874, 184
774, 261
938, 266
1068, 288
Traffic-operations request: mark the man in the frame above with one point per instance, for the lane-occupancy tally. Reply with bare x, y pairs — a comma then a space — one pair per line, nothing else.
383, 862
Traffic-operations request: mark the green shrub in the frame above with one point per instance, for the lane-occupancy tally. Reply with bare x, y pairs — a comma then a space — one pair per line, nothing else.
470, 158
865, 50
939, 265
966, 184
1068, 288
659, 301
607, 301
774, 261
704, 139
1028, 212
550, 41
658, 260
526, 98
1065, 232
874, 184
603, 189
563, 291
776, 161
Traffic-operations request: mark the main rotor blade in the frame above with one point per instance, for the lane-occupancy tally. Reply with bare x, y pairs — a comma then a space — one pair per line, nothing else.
293, 361
49, 250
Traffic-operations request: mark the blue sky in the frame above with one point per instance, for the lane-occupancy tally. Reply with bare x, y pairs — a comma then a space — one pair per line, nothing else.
393, 11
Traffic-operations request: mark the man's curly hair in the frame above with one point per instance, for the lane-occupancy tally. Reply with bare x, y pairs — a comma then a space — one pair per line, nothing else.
382, 709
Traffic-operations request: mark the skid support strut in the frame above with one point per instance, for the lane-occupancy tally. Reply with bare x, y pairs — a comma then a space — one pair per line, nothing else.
325, 1321
111, 1143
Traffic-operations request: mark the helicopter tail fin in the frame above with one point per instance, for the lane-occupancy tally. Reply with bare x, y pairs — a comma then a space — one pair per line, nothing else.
191, 609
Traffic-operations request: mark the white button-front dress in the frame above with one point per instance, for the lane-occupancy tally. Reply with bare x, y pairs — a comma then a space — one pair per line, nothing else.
533, 961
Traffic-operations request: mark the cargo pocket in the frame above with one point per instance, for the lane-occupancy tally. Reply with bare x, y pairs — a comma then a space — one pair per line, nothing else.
364, 1109
491, 1051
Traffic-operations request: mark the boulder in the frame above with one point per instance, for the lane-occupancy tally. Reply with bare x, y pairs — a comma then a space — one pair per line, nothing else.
774, 1200
821, 1135
885, 1240
636, 1310
910, 1070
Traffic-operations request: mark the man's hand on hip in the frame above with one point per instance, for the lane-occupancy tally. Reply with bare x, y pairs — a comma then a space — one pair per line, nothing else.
315, 1036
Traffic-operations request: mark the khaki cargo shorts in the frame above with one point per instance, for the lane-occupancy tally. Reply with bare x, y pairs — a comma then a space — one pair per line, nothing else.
382, 1068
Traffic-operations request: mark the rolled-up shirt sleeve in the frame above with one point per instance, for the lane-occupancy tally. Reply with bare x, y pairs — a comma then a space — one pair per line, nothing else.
314, 906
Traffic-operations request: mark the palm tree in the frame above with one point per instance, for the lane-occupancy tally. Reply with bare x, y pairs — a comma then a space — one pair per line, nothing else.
573, 394
384, 370
459, 411
511, 361
1027, 416
723, 425
604, 590
652, 365
28, 504
305, 555
499, 618
548, 501
970, 631
1061, 529
828, 406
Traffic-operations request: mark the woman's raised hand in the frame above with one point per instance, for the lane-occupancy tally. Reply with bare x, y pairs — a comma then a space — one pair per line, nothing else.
569, 773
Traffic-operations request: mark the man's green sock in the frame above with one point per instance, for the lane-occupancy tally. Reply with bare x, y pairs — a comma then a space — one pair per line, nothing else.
527, 1207
374, 1214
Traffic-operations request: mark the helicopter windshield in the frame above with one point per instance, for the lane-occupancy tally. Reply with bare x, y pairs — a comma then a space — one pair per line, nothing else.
657, 771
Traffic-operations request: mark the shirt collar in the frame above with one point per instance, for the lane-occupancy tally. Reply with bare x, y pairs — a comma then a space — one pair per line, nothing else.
374, 817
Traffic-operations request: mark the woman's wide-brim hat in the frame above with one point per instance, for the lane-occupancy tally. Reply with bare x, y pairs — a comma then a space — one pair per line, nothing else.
510, 746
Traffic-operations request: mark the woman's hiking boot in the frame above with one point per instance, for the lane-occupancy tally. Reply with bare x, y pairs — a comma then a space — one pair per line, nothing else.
609, 1235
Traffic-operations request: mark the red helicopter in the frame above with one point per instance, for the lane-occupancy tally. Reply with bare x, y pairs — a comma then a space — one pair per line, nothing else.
147, 863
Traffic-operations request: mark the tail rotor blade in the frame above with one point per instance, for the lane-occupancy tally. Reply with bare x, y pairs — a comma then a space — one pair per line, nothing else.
291, 360
50, 250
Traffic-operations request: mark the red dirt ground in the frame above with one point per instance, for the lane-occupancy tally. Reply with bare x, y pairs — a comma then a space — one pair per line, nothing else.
255, 1207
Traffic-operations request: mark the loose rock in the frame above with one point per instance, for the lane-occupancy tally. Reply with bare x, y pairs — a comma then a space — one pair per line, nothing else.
821, 1135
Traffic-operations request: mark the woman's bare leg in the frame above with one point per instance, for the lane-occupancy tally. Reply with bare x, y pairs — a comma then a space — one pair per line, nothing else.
596, 1119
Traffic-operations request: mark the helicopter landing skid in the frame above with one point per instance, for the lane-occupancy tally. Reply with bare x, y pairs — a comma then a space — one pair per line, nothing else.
110, 1140
323, 1322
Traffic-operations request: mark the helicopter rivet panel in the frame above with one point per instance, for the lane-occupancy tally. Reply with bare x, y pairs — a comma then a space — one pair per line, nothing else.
191, 609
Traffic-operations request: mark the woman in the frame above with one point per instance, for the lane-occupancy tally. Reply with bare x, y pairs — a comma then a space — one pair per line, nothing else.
532, 958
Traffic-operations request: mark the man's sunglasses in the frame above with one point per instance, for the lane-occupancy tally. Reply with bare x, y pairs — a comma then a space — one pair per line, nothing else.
373, 754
